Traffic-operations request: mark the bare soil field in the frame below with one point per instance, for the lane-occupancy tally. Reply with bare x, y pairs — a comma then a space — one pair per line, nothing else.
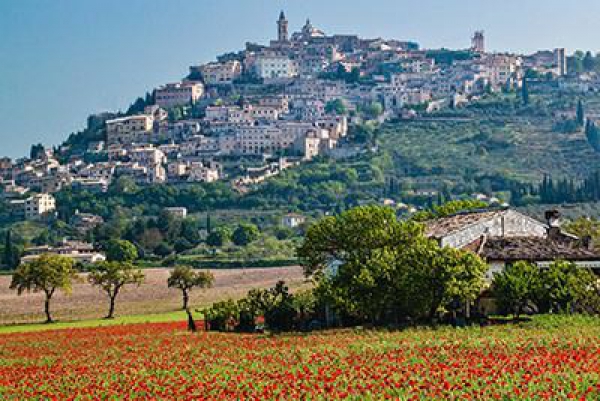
87, 302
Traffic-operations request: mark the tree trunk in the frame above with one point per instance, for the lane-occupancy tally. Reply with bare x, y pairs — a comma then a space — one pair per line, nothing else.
47, 307
186, 299
191, 322
111, 308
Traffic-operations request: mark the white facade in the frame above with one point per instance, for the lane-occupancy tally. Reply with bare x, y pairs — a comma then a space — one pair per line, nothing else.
292, 220
276, 67
36, 206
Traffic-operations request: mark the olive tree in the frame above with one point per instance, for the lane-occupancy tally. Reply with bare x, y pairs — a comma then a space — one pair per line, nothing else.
111, 277
46, 274
186, 279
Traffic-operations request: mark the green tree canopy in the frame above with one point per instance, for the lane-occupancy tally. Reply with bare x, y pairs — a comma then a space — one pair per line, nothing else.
370, 265
46, 274
336, 106
450, 208
121, 251
585, 228
517, 286
245, 234
565, 285
186, 279
374, 110
219, 237
111, 277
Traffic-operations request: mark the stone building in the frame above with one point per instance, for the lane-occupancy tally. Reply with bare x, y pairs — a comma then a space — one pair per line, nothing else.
502, 237
178, 94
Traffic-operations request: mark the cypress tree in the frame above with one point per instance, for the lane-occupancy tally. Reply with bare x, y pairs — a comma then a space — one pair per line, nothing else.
208, 223
580, 114
6, 256
525, 92
11, 258
591, 133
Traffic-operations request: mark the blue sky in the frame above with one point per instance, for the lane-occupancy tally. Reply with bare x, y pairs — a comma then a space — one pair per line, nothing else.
61, 60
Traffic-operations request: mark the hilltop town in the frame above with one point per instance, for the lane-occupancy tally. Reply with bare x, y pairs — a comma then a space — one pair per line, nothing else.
277, 105
252, 114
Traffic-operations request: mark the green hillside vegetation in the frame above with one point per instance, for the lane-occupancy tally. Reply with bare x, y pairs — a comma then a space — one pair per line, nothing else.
496, 145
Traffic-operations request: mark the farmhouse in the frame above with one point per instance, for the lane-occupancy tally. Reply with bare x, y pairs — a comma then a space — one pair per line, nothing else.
80, 252
502, 237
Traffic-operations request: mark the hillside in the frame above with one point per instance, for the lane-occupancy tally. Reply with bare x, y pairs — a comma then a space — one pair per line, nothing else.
491, 146
494, 146
496, 141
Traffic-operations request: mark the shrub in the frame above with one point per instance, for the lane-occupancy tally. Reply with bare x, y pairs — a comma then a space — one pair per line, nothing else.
222, 316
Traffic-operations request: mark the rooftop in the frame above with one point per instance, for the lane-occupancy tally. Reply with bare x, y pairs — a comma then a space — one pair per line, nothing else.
440, 227
535, 249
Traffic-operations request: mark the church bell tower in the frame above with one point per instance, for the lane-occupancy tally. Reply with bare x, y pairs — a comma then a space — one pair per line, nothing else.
282, 28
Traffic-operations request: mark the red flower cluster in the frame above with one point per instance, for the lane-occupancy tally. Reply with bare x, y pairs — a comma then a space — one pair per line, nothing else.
163, 361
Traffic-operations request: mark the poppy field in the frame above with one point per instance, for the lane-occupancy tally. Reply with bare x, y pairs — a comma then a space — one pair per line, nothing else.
555, 358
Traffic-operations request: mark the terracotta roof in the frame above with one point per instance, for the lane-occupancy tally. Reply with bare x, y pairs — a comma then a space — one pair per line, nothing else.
443, 226
534, 249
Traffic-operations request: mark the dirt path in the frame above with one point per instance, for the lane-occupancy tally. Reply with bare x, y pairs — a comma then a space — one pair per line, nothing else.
87, 302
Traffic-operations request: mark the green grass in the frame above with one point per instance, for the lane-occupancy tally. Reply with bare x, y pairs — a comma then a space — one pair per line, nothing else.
120, 320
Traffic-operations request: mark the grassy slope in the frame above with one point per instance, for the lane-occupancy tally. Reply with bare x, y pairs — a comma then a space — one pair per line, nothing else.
496, 141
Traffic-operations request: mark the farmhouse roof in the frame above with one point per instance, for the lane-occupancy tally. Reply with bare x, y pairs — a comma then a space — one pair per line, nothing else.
444, 226
534, 249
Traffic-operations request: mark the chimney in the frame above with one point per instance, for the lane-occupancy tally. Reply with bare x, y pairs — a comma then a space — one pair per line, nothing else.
553, 220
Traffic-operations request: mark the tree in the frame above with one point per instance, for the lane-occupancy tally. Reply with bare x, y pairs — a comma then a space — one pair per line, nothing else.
219, 237
11, 256
370, 266
208, 223
450, 208
589, 62
163, 249
525, 92
279, 310
564, 285
46, 274
123, 185
592, 135
245, 234
37, 151
374, 110
182, 245
580, 114
185, 279
336, 106
169, 225
587, 229
190, 232
363, 133
111, 277
517, 287
121, 251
